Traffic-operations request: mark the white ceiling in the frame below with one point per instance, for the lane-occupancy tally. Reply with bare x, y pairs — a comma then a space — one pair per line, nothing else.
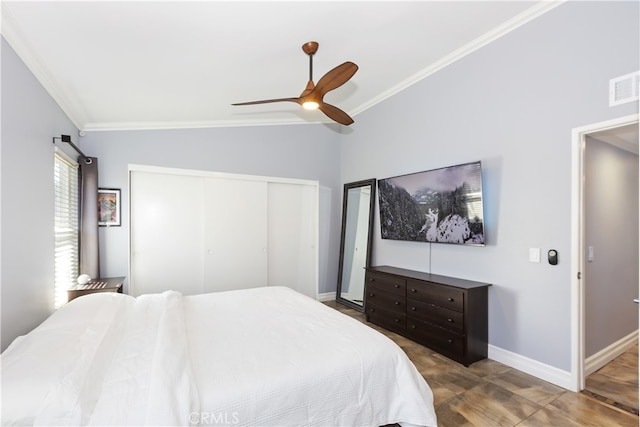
625, 137
149, 64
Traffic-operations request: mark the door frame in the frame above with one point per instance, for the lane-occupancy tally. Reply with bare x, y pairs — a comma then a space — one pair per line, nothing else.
578, 138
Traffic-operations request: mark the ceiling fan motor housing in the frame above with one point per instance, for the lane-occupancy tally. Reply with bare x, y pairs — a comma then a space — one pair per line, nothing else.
312, 96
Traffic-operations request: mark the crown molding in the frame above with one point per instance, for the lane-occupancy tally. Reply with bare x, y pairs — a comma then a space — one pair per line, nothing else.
490, 36
23, 49
119, 126
78, 115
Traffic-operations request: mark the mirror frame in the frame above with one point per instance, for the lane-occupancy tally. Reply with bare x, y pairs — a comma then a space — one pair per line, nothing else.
347, 187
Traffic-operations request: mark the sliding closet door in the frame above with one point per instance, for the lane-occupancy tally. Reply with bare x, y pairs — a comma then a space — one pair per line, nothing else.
235, 234
166, 233
293, 236
196, 232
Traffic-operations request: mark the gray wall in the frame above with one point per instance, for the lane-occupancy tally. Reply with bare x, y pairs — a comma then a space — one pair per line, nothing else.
300, 151
30, 119
512, 105
611, 228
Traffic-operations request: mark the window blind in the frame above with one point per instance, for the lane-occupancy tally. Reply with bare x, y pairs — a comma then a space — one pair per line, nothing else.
66, 225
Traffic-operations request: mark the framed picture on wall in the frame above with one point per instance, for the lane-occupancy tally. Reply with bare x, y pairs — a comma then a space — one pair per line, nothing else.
108, 207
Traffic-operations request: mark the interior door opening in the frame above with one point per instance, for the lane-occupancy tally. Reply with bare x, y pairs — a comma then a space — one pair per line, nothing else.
619, 137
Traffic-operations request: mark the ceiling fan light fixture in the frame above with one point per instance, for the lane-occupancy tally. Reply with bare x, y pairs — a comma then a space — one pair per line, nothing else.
310, 105
312, 96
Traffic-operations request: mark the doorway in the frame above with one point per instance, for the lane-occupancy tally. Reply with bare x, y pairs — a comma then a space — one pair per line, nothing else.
592, 348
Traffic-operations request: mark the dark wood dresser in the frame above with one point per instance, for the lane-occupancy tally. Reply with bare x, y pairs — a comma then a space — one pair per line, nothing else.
107, 284
446, 314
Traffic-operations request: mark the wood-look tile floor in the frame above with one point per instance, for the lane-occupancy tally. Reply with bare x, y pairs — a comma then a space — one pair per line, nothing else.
489, 393
617, 382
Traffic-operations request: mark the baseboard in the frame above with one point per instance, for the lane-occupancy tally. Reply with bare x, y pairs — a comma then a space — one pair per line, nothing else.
607, 354
328, 296
532, 367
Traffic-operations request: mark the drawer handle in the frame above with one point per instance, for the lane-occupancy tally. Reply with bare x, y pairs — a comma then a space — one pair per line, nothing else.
450, 320
397, 303
413, 309
372, 280
450, 299
371, 310
372, 295
396, 320
413, 290
450, 341
413, 326
396, 286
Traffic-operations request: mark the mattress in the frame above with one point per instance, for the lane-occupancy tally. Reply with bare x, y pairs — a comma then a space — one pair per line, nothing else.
258, 357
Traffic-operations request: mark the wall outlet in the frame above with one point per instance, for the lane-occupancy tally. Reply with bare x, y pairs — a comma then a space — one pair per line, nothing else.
534, 254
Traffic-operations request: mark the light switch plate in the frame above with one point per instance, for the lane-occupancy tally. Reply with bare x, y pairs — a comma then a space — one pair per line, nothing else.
534, 254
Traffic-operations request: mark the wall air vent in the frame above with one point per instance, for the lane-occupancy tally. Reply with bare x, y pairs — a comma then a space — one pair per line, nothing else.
624, 89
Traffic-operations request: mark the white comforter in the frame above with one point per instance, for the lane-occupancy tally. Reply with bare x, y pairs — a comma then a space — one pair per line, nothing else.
266, 356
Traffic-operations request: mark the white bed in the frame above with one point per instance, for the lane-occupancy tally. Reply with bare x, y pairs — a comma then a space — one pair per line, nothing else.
257, 357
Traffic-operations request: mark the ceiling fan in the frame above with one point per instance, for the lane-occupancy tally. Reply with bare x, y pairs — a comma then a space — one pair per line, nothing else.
312, 96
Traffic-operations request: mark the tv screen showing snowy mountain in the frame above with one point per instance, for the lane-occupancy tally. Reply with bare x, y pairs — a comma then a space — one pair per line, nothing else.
441, 206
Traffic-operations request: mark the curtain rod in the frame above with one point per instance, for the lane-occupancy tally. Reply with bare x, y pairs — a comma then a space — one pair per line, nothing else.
67, 139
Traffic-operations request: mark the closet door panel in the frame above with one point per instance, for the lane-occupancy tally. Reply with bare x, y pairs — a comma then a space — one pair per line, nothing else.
235, 233
166, 233
293, 235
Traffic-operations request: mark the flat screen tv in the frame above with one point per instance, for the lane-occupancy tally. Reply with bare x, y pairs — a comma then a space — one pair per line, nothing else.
440, 206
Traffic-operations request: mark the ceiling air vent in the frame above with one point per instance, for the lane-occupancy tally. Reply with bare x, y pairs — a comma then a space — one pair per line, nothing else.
624, 89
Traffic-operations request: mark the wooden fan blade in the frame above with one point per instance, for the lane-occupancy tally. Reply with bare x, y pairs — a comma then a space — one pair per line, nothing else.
336, 77
268, 101
335, 114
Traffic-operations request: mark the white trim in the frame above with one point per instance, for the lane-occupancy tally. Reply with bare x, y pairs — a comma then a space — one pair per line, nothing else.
532, 367
606, 355
18, 42
576, 264
578, 136
491, 36
607, 124
316, 237
213, 174
79, 117
202, 124
327, 296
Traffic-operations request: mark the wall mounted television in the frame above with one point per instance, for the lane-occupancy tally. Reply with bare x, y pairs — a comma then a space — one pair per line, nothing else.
438, 206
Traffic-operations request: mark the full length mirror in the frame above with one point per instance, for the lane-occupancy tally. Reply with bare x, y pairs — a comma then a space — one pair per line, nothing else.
355, 244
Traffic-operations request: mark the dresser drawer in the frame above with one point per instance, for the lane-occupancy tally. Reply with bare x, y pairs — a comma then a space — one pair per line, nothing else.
385, 283
443, 296
444, 341
431, 313
386, 300
392, 321
447, 314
